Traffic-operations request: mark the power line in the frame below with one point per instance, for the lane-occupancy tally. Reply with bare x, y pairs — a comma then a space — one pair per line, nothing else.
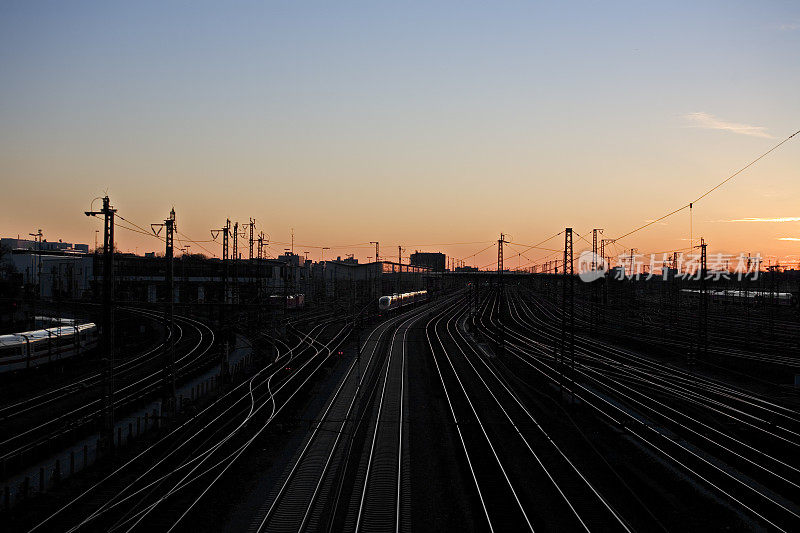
134, 230
531, 246
478, 252
528, 247
186, 237
714, 188
135, 225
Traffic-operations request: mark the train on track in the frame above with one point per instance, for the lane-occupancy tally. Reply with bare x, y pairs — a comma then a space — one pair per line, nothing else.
293, 301
758, 297
395, 301
35, 348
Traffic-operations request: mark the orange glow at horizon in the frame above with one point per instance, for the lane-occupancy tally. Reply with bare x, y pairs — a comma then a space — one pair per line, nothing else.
425, 127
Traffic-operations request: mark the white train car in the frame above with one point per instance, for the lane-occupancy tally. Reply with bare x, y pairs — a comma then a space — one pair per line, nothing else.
296, 301
291, 301
396, 301
51, 321
35, 348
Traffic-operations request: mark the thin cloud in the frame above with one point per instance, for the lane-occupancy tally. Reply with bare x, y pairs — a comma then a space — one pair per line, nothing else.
757, 219
789, 26
710, 122
789, 238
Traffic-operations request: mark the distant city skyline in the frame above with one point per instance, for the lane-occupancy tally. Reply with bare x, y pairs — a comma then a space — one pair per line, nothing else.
419, 125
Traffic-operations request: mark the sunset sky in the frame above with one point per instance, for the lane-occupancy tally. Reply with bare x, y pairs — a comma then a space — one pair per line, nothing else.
422, 124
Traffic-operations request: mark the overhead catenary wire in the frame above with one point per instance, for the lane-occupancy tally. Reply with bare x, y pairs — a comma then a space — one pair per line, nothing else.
138, 229
186, 237
134, 230
543, 259
538, 244
523, 254
712, 189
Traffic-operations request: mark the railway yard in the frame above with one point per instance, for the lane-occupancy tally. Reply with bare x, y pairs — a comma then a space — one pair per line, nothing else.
471, 408
398, 267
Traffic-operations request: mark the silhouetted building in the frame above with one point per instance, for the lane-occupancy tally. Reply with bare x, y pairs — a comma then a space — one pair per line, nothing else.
55, 272
44, 246
290, 259
434, 260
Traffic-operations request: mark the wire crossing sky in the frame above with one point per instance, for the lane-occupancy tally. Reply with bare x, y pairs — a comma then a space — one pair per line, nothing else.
439, 123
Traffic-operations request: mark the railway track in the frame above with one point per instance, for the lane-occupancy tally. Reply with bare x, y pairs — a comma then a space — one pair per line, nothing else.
729, 336
527, 482
731, 442
329, 485
137, 377
625, 441
162, 485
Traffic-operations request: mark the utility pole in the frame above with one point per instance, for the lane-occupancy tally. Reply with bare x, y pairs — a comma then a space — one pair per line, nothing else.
225, 239
605, 280
235, 242
225, 230
223, 318
474, 301
702, 330
595, 232
674, 293
377, 285
568, 309
633, 251
596, 283
260, 286
323, 269
501, 334
500, 243
38, 236
289, 282
603, 250
108, 320
252, 225
168, 407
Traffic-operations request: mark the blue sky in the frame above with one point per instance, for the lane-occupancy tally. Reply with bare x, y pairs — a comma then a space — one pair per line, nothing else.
484, 117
